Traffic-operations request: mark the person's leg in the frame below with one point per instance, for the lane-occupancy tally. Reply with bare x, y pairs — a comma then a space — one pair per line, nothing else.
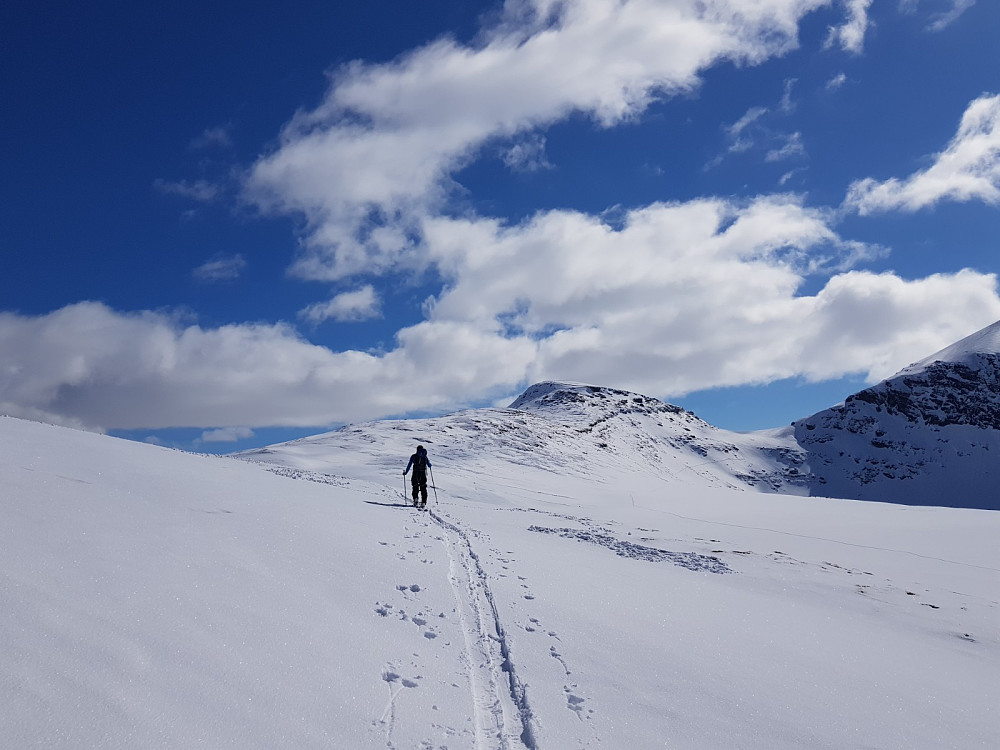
416, 488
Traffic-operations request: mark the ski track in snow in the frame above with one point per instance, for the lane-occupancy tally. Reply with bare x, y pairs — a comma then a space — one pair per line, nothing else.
388, 717
503, 717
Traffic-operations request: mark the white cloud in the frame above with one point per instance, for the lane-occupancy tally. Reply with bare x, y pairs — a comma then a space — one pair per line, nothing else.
740, 140
836, 82
678, 297
941, 21
361, 304
787, 176
223, 268
754, 131
527, 155
380, 150
217, 137
787, 102
695, 295
226, 435
86, 365
201, 191
790, 149
850, 36
968, 169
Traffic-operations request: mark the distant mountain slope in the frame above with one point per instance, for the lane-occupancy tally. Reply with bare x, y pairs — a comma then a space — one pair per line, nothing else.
929, 435
582, 431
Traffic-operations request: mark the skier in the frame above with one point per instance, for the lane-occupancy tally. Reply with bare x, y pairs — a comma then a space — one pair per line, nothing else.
420, 464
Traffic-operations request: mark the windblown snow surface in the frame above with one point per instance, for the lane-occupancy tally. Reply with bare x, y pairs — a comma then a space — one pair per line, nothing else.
590, 574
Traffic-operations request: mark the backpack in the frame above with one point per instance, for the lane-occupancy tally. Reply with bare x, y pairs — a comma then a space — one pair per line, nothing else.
419, 463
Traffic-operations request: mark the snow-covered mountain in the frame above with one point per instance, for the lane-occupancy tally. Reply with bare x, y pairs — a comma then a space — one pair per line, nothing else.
929, 435
578, 432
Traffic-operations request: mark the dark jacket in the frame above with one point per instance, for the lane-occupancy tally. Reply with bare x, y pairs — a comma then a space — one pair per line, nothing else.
419, 462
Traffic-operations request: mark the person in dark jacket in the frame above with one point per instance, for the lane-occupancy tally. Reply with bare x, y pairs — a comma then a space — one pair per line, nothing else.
420, 464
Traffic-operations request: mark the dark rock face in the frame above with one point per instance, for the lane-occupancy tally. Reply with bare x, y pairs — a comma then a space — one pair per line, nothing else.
595, 399
945, 393
924, 437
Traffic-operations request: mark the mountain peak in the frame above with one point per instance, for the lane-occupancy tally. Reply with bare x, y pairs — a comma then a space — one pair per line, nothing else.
927, 435
967, 351
577, 399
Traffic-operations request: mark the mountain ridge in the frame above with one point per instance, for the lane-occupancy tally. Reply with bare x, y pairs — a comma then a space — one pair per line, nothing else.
924, 436
928, 435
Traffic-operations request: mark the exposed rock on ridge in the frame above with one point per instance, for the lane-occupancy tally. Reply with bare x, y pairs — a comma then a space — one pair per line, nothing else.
929, 435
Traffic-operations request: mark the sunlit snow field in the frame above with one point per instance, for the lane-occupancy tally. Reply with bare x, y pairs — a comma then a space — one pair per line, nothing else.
554, 595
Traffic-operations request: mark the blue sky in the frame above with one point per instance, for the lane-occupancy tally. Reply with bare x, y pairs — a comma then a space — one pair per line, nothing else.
230, 225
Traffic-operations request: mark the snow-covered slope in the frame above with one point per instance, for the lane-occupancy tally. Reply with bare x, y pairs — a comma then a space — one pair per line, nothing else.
155, 599
929, 435
579, 433
595, 570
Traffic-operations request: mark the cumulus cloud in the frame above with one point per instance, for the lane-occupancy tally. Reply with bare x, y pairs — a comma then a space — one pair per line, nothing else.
968, 169
696, 295
382, 146
675, 297
222, 268
86, 365
361, 304
226, 435
850, 36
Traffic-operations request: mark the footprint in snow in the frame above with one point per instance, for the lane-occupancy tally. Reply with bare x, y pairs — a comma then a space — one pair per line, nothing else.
390, 675
559, 658
574, 702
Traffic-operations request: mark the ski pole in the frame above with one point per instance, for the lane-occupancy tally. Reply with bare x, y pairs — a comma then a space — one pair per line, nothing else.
434, 485
405, 498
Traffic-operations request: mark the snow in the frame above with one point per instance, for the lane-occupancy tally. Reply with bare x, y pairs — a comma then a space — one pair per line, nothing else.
557, 594
965, 351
